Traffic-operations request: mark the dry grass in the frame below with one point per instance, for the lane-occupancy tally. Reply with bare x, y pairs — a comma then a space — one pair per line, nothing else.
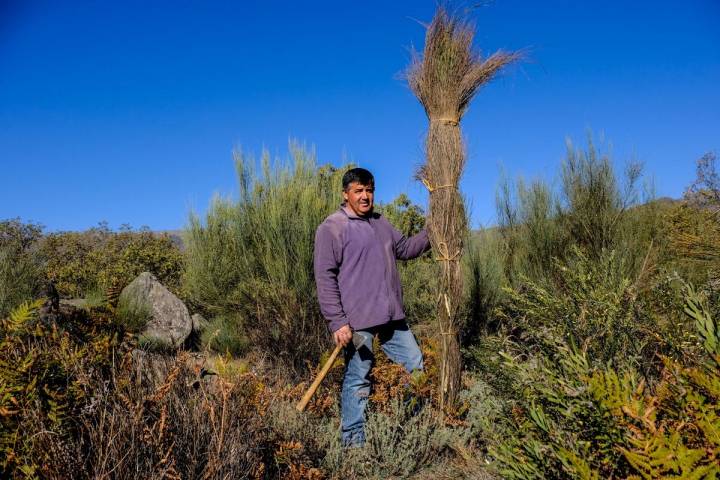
445, 78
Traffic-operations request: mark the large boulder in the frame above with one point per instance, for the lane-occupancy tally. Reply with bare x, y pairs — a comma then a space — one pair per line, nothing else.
168, 320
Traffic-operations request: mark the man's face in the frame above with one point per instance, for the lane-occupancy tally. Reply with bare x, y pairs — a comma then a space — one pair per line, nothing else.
359, 198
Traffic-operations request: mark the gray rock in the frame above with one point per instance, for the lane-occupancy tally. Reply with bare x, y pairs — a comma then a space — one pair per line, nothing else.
169, 321
199, 323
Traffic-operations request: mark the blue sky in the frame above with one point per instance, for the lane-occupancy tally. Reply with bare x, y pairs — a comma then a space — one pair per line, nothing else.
129, 111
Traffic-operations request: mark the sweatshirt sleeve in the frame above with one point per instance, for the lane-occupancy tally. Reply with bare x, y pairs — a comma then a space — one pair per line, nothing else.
326, 260
409, 248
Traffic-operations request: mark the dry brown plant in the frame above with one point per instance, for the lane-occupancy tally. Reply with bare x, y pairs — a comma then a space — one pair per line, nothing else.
444, 78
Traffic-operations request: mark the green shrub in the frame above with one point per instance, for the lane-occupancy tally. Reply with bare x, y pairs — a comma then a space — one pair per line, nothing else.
399, 444
419, 276
693, 242
254, 256
593, 210
596, 308
20, 268
133, 313
224, 334
100, 259
575, 417
485, 278
557, 425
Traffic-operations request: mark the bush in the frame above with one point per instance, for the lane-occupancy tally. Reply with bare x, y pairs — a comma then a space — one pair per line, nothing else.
593, 210
133, 313
608, 316
399, 444
224, 334
573, 420
693, 227
81, 263
21, 276
254, 256
483, 267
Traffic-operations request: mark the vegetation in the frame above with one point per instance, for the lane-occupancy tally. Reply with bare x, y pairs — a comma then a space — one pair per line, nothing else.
20, 267
51, 374
250, 262
99, 259
591, 345
593, 210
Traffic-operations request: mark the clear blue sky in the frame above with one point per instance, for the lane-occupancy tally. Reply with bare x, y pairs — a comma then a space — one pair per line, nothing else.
128, 111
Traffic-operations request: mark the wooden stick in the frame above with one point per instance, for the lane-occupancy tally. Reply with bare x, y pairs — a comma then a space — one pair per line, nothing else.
320, 376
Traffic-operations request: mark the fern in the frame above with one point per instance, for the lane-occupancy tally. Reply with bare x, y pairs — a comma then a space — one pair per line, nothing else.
45, 372
667, 456
21, 315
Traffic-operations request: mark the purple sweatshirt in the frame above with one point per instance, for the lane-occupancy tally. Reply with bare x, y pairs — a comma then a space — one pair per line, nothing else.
355, 269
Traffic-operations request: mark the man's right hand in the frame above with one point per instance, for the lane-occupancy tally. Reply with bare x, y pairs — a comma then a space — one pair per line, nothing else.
342, 335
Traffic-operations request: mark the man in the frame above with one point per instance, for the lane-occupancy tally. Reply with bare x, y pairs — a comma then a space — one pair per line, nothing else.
359, 290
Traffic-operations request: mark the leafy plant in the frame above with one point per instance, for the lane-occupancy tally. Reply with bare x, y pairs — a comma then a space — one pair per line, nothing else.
576, 420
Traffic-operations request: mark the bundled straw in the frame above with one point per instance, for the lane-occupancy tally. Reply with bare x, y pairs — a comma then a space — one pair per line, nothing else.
445, 78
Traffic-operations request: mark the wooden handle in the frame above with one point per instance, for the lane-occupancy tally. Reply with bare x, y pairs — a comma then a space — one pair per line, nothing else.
311, 391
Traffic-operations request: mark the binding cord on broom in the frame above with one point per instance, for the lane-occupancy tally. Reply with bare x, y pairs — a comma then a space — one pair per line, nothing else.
445, 254
432, 188
454, 122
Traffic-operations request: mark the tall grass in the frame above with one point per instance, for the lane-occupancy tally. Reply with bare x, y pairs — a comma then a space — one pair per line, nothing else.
250, 260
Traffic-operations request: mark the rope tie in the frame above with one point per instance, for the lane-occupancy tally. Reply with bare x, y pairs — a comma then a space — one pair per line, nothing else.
432, 188
445, 255
447, 121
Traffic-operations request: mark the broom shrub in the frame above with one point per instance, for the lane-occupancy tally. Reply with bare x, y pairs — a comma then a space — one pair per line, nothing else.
21, 270
594, 209
250, 260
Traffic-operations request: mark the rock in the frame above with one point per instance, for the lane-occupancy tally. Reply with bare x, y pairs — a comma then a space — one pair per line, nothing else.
199, 323
169, 321
150, 367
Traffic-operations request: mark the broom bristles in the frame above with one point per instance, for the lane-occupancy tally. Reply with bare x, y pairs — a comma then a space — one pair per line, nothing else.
445, 79
449, 72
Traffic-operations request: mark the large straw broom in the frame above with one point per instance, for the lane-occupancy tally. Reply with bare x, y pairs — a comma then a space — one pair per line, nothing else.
445, 78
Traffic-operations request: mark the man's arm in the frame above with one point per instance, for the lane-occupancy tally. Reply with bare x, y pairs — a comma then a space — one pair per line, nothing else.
409, 248
326, 260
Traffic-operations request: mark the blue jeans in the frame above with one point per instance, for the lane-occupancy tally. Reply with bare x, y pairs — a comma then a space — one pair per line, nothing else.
399, 345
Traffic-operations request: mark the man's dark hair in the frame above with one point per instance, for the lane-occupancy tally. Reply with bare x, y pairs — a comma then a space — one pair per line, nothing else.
359, 175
